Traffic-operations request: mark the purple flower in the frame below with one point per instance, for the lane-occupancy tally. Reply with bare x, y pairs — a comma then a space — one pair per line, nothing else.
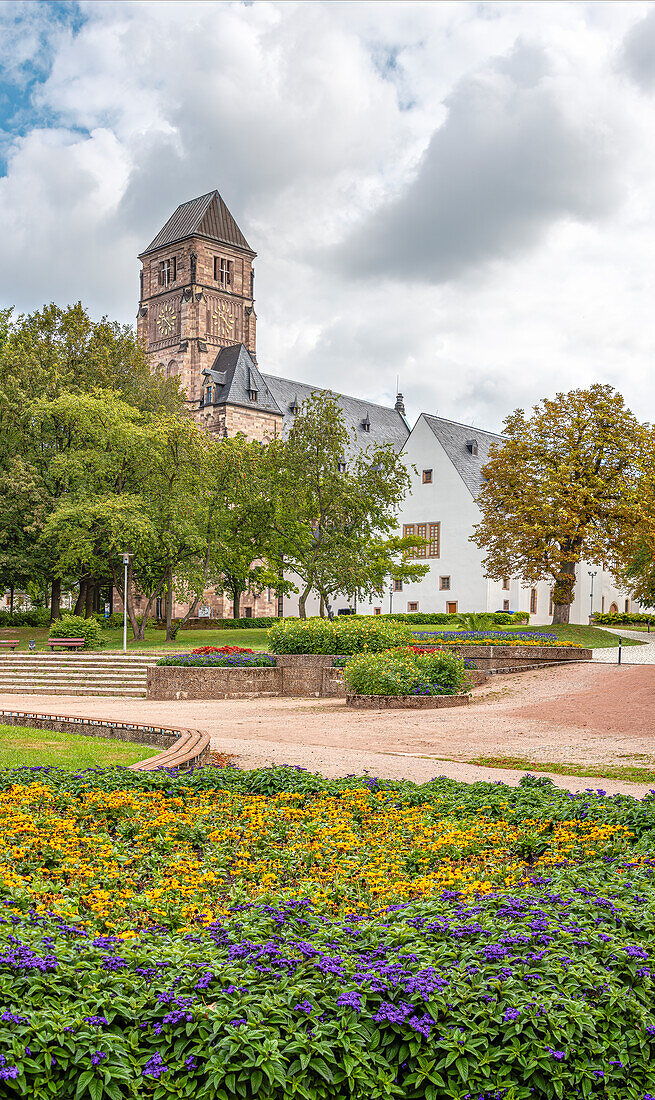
512, 1014
191, 1062
559, 1055
422, 1024
237, 1023
304, 1006
351, 1000
98, 1057
97, 1021
154, 1067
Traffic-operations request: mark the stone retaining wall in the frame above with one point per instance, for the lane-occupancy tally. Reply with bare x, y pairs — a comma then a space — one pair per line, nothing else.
224, 682
515, 657
406, 702
182, 748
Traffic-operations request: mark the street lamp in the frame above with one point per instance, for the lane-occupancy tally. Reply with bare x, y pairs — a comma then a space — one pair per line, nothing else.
126, 562
391, 598
591, 596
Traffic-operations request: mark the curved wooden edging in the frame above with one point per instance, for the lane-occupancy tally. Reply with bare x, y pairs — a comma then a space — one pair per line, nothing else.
181, 748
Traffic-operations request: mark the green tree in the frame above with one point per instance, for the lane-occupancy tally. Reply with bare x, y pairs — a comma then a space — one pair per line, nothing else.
333, 515
559, 488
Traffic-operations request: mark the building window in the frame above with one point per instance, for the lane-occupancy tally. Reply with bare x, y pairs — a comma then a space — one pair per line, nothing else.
451, 608
397, 586
627, 606
444, 583
341, 467
506, 584
427, 477
505, 605
602, 605
253, 395
412, 607
550, 604
208, 395
167, 271
247, 611
429, 531
377, 610
223, 272
533, 601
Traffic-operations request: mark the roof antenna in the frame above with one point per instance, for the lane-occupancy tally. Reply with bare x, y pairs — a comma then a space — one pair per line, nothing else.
400, 401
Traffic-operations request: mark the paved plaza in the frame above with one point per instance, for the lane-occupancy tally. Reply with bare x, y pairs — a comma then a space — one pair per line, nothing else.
582, 714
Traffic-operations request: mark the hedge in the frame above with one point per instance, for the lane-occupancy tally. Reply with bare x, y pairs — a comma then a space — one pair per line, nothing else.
618, 618
344, 635
37, 616
75, 626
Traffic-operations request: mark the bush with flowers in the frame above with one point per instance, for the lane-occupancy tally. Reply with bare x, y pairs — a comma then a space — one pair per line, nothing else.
491, 637
227, 650
344, 635
461, 941
406, 671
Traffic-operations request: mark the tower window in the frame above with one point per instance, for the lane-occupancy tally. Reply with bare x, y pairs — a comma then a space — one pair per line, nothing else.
223, 271
167, 271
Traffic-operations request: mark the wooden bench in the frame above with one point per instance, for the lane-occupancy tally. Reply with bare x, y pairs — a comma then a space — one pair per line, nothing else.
10, 643
66, 643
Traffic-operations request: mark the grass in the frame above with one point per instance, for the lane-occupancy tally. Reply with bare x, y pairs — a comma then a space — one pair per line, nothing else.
154, 640
632, 772
20, 746
588, 636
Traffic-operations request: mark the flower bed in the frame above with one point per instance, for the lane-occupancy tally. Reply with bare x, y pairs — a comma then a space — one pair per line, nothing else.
491, 637
405, 672
342, 635
241, 659
463, 941
228, 650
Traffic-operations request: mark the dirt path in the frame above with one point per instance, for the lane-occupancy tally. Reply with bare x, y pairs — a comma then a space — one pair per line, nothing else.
584, 714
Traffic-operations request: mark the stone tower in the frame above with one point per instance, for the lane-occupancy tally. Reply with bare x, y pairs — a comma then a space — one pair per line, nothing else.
197, 293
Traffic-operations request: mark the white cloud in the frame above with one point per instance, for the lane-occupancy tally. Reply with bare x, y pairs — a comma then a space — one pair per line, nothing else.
489, 165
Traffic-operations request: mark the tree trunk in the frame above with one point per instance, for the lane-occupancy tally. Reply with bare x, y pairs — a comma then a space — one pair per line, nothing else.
81, 597
563, 592
302, 611
169, 605
236, 604
55, 599
89, 600
11, 599
321, 609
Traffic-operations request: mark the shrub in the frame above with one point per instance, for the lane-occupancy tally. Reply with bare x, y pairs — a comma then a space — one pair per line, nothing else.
74, 626
221, 624
406, 672
490, 637
37, 616
619, 618
220, 660
347, 634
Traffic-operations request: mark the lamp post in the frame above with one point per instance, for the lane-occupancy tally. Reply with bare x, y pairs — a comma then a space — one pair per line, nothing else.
391, 598
126, 562
591, 596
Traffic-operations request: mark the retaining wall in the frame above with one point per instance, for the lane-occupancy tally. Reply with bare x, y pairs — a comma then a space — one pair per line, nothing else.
182, 748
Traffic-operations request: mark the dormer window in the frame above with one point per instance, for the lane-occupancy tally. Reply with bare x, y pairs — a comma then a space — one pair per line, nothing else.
366, 424
294, 407
223, 272
472, 446
341, 467
253, 395
208, 395
167, 271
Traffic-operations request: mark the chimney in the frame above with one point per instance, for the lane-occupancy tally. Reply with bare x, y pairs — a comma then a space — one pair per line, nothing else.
400, 404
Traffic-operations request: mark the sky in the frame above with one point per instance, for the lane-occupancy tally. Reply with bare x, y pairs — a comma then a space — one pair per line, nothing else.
458, 198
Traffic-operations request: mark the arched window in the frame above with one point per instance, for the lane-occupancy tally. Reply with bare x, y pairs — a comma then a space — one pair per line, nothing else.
171, 369
614, 607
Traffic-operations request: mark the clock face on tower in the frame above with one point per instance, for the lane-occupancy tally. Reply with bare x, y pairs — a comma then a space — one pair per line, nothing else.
223, 318
166, 321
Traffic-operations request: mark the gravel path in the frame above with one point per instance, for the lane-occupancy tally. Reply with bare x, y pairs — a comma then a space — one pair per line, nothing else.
630, 654
581, 714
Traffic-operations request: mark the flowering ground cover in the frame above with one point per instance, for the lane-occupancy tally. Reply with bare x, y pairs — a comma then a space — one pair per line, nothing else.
490, 637
239, 659
409, 670
227, 934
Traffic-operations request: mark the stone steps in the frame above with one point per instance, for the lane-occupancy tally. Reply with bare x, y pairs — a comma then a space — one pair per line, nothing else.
75, 674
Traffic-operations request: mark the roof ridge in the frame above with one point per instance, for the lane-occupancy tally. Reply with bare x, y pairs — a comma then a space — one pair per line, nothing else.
458, 424
326, 389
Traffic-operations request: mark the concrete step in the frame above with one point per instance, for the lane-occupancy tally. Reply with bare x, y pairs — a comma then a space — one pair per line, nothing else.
31, 689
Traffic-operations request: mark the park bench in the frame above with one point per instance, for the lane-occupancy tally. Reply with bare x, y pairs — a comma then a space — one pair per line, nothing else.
10, 643
66, 643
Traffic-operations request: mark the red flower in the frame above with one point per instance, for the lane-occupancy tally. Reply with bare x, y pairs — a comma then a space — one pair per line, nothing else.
227, 649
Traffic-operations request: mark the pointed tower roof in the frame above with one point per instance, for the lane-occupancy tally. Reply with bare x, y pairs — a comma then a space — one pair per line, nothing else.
207, 216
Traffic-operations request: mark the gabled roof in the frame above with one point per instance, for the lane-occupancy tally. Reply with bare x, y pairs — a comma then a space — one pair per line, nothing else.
206, 216
235, 376
386, 425
454, 437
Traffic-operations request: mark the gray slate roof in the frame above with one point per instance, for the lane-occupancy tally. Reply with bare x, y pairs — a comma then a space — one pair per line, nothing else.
453, 438
206, 216
386, 424
235, 375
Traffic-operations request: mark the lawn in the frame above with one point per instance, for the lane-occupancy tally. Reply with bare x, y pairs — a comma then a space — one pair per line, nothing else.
24, 747
633, 773
474, 941
154, 639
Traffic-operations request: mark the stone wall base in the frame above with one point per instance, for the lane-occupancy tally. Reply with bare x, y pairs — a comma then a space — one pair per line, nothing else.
406, 702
